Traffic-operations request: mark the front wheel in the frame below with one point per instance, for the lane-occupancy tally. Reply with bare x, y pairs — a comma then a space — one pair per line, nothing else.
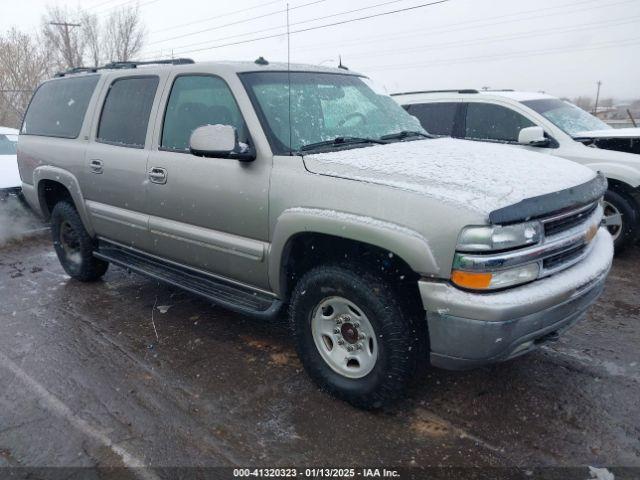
621, 219
355, 336
73, 245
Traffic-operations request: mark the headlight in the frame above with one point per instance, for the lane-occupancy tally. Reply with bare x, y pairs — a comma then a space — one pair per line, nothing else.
495, 280
492, 238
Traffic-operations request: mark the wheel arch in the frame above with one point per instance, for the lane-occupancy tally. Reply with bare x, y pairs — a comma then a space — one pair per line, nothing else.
302, 236
54, 184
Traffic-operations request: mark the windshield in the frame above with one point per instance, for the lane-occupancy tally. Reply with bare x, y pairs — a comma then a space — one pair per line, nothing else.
324, 107
566, 116
8, 144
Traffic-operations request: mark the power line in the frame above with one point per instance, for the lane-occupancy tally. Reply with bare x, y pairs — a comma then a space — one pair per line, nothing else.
124, 4
284, 26
406, 66
318, 27
491, 39
235, 23
101, 4
228, 14
447, 28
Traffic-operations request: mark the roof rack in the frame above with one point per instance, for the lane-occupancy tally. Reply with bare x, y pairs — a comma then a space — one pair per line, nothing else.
71, 71
124, 65
468, 90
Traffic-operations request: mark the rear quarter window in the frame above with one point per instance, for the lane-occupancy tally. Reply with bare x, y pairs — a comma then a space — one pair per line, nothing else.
58, 107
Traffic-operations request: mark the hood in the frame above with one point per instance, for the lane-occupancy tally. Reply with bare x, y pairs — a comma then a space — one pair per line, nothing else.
621, 140
480, 176
610, 133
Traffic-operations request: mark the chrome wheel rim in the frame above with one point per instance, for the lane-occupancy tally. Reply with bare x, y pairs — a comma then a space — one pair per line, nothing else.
612, 219
344, 337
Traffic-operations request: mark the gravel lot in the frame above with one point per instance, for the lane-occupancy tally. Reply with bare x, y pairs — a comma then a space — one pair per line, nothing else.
86, 382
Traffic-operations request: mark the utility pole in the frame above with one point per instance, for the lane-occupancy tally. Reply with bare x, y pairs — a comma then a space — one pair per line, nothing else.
595, 108
66, 41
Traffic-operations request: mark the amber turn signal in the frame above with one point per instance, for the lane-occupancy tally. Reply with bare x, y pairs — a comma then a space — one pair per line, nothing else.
471, 280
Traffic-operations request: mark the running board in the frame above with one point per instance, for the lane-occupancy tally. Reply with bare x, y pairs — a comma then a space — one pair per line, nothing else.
233, 297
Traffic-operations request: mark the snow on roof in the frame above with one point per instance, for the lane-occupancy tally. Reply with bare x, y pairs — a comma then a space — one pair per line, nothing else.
8, 131
518, 96
470, 93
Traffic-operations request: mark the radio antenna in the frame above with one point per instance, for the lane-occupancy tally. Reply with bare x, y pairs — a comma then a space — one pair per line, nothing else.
289, 80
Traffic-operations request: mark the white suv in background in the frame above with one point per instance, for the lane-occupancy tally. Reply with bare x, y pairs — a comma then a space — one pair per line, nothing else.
545, 124
10, 182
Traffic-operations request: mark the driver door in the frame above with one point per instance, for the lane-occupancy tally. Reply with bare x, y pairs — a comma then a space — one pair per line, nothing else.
207, 213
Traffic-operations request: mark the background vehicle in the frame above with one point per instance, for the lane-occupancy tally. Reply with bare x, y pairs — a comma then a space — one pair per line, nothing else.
544, 124
10, 182
260, 187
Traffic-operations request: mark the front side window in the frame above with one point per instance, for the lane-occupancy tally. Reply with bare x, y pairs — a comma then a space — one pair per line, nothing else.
8, 144
125, 114
436, 118
566, 116
58, 107
324, 106
195, 101
485, 121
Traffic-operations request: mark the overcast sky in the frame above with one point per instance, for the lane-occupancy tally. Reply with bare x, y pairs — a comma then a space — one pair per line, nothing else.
562, 47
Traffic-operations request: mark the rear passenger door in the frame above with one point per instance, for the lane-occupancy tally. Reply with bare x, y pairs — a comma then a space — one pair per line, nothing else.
115, 185
437, 118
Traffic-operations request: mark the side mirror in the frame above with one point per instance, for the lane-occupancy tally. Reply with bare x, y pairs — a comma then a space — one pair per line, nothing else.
219, 141
533, 137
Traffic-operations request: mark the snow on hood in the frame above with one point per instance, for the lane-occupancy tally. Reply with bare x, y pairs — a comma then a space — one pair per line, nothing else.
610, 133
480, 176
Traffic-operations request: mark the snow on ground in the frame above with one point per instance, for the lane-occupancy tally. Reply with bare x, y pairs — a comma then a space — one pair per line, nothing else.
482, 176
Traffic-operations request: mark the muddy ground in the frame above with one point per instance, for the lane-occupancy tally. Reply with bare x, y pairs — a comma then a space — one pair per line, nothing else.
85, 382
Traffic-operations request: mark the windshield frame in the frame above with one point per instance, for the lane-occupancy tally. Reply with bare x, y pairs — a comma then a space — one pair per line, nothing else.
277, 146
573, 134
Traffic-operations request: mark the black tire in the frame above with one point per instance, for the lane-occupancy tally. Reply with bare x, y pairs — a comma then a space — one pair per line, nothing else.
73, 244
393, 324
627, 233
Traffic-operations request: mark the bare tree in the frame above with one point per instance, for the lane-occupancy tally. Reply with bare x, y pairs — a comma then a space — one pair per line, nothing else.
92, 39
124, 34
61, 31
24, 63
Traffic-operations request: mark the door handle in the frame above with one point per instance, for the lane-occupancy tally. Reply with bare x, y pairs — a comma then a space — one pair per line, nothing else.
158, 175
96, 166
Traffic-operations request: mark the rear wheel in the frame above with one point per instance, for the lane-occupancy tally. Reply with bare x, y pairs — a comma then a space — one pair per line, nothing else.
621, 218
73, 244
355, 336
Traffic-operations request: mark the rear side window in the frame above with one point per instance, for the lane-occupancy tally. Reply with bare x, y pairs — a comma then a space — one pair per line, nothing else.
58, 107
494, 122
436, 118
125, 114
195, 101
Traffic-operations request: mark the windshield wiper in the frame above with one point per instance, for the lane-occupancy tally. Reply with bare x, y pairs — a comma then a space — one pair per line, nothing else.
405, 134
339, 141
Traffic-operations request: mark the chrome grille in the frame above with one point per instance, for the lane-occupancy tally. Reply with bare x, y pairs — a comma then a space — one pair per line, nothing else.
566, 241
565, 221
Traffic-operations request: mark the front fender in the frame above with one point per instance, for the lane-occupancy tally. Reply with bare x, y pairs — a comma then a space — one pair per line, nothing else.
616, 171
70, 182
407, 244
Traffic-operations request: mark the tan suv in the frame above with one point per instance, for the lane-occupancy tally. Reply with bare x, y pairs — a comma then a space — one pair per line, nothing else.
268, 190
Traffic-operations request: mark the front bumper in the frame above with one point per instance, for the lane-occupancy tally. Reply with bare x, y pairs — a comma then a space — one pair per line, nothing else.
467, 330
